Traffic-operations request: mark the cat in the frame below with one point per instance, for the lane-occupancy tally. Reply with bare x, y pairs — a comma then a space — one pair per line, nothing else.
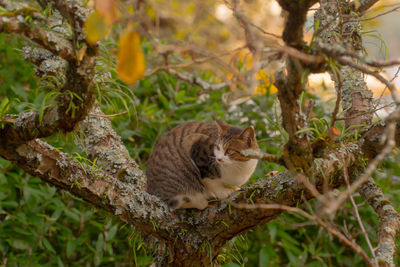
197, 161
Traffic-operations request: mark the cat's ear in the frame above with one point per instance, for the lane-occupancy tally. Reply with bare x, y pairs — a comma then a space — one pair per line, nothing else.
220, 125
248, 134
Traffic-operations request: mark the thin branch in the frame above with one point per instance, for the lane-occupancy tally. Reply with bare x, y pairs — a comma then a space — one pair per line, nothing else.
300, 55
357, 214
374, 17
390, 144
107, 115
252, 40
364, 69
258, 154
336, 51
360, 114
365, 5
265, 32
321, 223
195, 80
338, 99
195, 61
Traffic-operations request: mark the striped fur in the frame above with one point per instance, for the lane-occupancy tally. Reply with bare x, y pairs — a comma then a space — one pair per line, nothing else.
197, 161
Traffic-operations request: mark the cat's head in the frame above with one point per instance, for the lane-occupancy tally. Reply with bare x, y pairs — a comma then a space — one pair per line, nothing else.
231, 140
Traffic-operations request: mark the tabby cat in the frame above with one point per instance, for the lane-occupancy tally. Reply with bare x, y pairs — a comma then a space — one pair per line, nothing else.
197, 161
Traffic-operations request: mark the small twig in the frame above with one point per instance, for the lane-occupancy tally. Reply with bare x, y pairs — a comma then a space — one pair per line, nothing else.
258, 154
107, 116
321, 223
265, 32
357, 214
374, 17
310, 106
311, 187
298, 225
195, 61
384, 90
253, 43
363, 113
251, 37
364, 69
8, 119
365, 5
338, 99
306, 58
207, 87
335, 53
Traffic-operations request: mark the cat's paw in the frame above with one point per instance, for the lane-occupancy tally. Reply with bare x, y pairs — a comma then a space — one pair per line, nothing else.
225, 191
194, 200
215, 188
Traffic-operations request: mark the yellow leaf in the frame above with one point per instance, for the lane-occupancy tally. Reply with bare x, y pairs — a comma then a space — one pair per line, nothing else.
96, 27
273, 89
261, 75
260, 89
395, 152
131, 64
81, 53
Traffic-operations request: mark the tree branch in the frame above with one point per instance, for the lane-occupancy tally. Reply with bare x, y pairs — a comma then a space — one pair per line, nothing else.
76, 94
295, 19
357, 214
87, 182
74, 12
49, 40
389, 226
297, 153
100, 142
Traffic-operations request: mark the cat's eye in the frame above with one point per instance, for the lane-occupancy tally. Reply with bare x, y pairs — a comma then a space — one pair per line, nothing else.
230, 151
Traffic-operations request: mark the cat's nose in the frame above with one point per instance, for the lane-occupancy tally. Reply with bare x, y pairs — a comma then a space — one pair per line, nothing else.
220, 160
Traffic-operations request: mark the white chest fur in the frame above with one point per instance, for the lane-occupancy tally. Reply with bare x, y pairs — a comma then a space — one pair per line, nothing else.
238, 173
232, 176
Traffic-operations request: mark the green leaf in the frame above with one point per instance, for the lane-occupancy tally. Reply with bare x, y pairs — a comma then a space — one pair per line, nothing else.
71, 245
99, 250
266, 256
111, 233
163, 100
273, 228
4, 106
59, 262
48, 246
72, 215
19, 244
